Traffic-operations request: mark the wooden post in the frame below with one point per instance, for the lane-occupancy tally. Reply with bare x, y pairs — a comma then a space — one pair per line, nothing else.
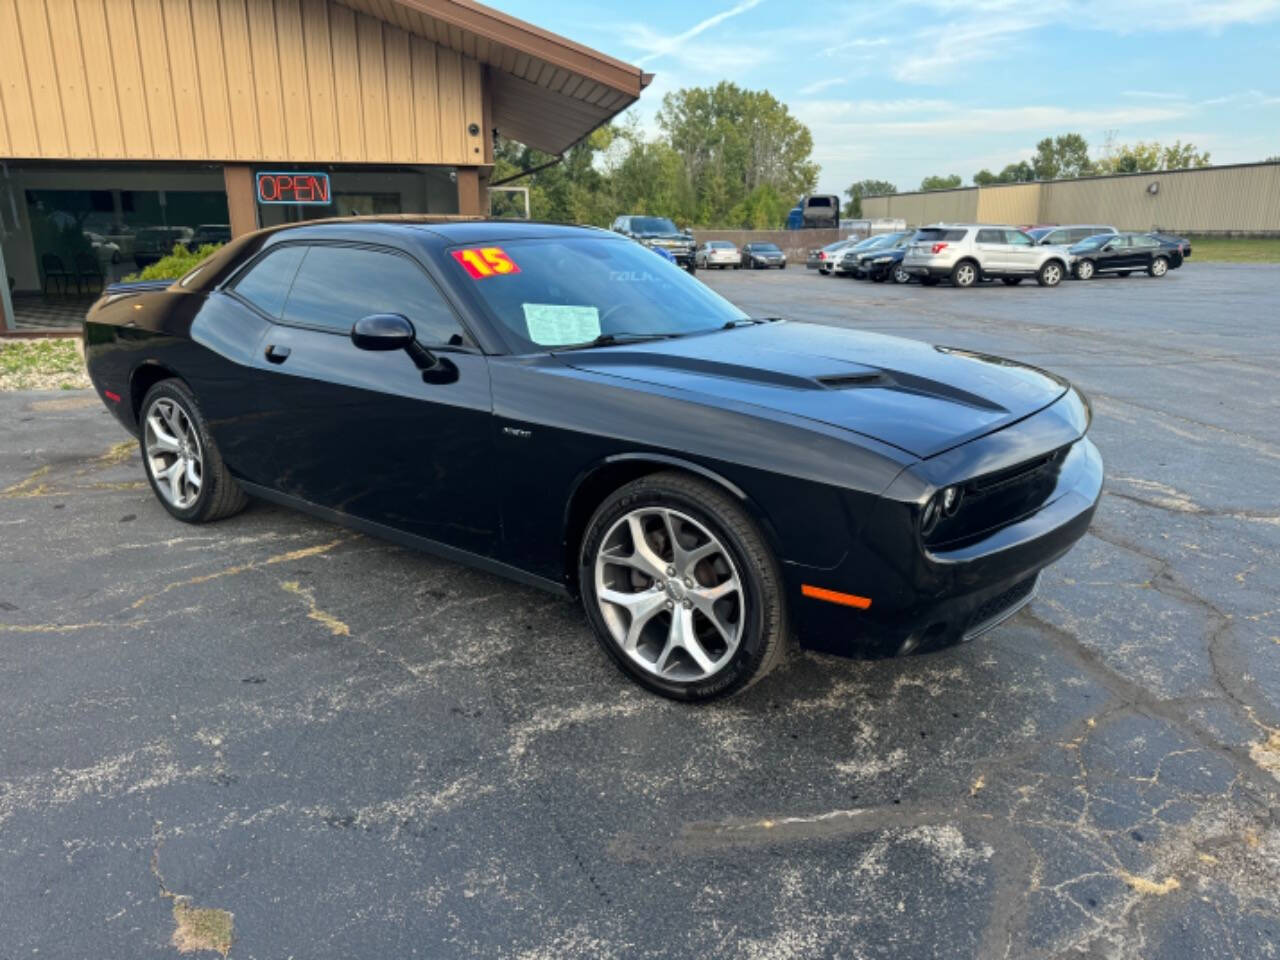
242, 198
469, 198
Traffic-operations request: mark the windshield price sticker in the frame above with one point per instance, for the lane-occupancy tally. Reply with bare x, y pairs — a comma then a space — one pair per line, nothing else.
482, 262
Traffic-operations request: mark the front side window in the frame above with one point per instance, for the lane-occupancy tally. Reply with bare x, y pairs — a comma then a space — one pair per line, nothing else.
336, 286
266, 283
1117, 243
571, 290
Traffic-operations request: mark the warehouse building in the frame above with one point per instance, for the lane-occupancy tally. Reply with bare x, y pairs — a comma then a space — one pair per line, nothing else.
129, 125
1238, 199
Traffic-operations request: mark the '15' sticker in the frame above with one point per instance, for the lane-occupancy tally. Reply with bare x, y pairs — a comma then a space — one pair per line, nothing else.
481, 262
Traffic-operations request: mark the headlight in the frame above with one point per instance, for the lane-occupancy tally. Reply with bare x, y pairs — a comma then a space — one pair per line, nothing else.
884, 259
944, 503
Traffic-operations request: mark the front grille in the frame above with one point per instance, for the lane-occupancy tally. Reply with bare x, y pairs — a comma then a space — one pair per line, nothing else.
1000, 607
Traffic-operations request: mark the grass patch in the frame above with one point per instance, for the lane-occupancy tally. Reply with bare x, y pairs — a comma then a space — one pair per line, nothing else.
199, 928
1235, 249
45, 364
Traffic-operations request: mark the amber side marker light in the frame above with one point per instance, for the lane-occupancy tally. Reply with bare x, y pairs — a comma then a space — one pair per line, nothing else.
835, 596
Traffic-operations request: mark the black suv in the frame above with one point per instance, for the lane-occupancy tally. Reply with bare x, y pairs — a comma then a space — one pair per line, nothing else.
659, 232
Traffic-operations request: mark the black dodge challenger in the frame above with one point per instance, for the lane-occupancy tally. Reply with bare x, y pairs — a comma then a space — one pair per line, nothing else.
558, 405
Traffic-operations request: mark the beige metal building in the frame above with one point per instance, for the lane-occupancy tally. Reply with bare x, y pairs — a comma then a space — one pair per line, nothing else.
127, 125
1244, 198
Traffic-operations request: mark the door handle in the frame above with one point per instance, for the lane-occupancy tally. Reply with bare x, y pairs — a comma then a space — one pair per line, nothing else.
277, 354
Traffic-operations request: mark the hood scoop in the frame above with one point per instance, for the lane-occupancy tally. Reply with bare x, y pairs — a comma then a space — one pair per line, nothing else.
843, 381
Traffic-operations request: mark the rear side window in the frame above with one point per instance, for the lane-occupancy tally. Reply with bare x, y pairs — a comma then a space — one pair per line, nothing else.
990, 236
949, 234
336, 286
266, 284
1061, 236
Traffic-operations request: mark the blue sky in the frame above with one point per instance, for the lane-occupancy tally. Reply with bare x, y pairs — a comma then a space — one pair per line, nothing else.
900, 90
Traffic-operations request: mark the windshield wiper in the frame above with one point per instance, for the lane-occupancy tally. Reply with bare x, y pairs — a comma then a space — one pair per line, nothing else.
609, 339
748, 321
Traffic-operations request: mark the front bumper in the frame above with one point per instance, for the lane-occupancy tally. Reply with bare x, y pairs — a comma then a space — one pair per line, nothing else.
923, 600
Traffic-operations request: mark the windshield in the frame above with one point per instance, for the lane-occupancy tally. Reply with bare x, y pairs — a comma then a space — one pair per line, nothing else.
571, 290
765, 248
1090, 242
652, 225
871, 242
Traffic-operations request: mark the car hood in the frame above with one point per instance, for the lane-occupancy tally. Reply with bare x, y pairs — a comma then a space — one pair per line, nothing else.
919, 398
684, 237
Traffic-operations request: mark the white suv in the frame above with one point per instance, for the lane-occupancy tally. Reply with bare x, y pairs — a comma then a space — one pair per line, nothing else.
967, 253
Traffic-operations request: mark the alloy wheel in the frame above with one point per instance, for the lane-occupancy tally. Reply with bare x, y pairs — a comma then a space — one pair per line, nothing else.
670, 594
1052, 275
965, 275
1160, 267
172, 448
1085, 270
901, 276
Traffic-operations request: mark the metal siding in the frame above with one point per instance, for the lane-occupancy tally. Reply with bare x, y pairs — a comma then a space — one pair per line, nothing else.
1015, 203
231, 80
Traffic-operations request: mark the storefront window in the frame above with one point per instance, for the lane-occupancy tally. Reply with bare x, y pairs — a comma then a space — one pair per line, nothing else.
85, 238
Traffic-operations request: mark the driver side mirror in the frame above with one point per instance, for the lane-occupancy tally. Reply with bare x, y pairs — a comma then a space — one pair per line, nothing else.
1107, 248
391, 331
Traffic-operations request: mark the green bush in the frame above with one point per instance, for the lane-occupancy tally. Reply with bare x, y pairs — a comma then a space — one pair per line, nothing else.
177, 263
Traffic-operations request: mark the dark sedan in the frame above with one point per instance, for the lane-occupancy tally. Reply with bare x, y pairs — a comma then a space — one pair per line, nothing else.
762, 256
1122, 254
881, 262
559, 406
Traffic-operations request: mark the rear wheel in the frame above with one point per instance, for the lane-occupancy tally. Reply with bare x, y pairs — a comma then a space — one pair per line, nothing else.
183, 465
1011, 281
1050, 274
1084, 270
1159, 267
681, 588
965, 274
900, 275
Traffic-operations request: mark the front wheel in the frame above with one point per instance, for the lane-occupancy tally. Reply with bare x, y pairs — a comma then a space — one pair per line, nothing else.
782, 267
1159, 267
1084, 270
182, 462
681, 589
1050, 275
692, 268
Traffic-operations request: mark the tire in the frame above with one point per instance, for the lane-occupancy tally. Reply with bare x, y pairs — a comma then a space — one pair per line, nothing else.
1085, 270
1050, 274
900, 275
693, 268
736, 266
1159, 267
1011, 281
169, 413
1123, 273
965, 274
782, 267
752, 608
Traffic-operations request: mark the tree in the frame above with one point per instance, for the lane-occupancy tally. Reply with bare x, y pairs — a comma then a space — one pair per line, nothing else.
1020, 172
733, 141
941, 183
865, 188
1144, 157
1063, 156
984, 178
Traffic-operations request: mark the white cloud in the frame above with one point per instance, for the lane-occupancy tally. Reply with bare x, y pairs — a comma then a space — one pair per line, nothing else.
659, 45
820, 85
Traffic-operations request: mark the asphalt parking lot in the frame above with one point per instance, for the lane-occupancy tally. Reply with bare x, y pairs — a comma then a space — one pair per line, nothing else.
358, 751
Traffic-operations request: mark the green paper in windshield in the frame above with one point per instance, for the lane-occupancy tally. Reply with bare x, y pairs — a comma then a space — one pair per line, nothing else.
555, 324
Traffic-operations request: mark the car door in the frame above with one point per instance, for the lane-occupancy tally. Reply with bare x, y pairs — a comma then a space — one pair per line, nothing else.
1115, 254
992, 250
363, 432
1022, 256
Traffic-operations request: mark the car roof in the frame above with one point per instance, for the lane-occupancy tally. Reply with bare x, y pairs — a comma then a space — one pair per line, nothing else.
450, 229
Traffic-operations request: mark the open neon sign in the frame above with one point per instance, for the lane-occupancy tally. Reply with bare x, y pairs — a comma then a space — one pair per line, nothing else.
308, 189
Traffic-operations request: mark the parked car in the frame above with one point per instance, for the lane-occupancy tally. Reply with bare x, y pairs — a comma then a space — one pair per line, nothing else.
718, 254
210, 233
659, 232
1065, 236
1123, 253
1182, 243
843, 263
820, 210
509, 396
154, 243
762, 256
823, 259
883, 262
967, 253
